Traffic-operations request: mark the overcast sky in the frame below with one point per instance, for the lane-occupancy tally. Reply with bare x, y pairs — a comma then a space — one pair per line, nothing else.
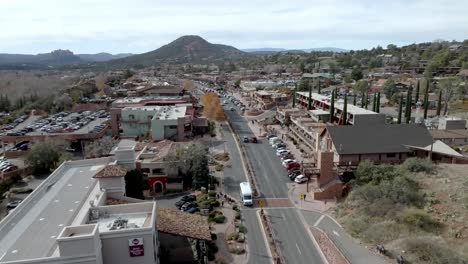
118, 26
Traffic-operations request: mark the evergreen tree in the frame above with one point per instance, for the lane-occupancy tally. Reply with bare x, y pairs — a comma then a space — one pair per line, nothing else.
416, 96
309, 102
363, 100
408, 106
332, 106
294, 96
345, 111
439, 103
354, 100
318, 85
374, 102
377, 108
367, 101
426, 99
400, 109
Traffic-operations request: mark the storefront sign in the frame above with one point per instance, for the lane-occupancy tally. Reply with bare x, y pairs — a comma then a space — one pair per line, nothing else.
135, 247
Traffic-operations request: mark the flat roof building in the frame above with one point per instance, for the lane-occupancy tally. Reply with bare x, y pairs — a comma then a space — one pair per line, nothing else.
161, 122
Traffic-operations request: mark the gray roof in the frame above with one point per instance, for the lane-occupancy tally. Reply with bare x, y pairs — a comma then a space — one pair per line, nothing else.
378, 138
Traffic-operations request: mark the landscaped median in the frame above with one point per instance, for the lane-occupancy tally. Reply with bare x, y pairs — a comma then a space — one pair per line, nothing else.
329, 249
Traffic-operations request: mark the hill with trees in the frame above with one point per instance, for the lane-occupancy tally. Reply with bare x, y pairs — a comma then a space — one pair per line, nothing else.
186, 49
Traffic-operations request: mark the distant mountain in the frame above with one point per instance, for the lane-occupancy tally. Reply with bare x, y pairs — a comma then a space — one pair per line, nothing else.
259, 50
186, 49
56, 57
275, 50
103, 56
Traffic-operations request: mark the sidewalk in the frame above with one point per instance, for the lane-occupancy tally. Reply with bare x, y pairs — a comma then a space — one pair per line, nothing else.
309, 204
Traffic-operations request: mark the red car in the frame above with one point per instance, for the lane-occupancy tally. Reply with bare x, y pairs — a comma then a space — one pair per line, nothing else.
293, 166
253, 140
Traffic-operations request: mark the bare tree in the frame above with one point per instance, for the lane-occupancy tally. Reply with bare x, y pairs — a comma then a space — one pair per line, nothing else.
451, 91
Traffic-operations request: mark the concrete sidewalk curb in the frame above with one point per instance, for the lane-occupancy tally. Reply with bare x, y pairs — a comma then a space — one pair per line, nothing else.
259, 219
319, 249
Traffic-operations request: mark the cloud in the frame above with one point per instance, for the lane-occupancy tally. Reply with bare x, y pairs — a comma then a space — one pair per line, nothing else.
31, 26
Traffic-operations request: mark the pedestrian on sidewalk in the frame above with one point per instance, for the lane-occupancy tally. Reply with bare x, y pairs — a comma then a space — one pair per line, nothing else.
222, 203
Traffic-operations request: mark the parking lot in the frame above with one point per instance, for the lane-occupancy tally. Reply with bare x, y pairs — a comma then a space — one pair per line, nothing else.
63, 122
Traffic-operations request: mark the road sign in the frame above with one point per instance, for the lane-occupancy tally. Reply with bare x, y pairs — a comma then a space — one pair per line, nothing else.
301, 196
261, 203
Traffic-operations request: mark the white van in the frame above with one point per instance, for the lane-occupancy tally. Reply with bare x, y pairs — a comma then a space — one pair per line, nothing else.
246, 193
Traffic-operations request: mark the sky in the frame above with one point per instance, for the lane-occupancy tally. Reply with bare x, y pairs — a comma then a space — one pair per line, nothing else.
137, 26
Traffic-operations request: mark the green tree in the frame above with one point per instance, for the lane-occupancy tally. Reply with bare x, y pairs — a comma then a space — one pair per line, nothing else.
134, 184
426, 98
361, 86
309, 100
345, 111
374, 103
303, 85
408, 105
439, 103
416, 98
43, 156
377, 106
363, 100
400, 109
294, 95
389, 88
332, 106
128, 73
302, 67
237, 83
356, 74
354, 99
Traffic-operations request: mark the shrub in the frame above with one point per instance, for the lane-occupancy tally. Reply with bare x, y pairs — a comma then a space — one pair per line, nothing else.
233, 236
219, 219
214, 236
205, 205
241, 238
219, 167
235, 207
427, 250
418, 218
383, 232
418, 165
237, 251
241, 228
238, 215
212, 194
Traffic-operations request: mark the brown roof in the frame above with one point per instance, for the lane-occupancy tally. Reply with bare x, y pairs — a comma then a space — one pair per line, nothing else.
451, 134
178, 223
111, 171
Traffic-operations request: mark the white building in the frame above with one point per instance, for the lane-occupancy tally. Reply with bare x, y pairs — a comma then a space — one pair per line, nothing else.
162, 122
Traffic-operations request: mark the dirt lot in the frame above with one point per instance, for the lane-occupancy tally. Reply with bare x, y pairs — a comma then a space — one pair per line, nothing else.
448, 191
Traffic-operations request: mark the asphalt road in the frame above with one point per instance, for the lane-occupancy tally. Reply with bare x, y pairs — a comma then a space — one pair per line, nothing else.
257, 248
294, 241
269, 172
296, 244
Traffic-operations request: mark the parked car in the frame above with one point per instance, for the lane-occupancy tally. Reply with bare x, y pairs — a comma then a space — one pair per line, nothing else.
292, 166
287, 156
246, 139
293, 176
281, 151
300, 179
270, 136
179, 204
253, 139
187, 206
192, 210
232, 109
278, 145
286, 162
13, 203
188, 198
